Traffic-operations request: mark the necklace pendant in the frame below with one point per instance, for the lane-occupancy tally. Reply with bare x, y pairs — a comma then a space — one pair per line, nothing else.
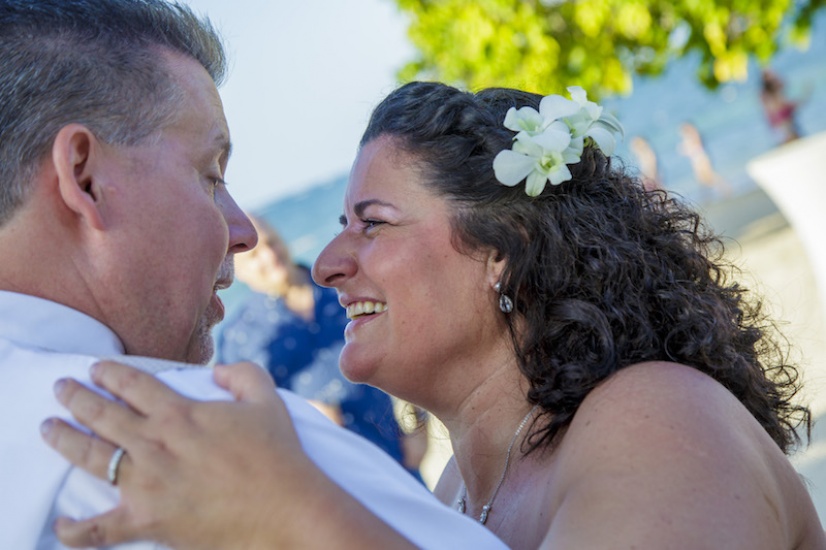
483, 518
461, 504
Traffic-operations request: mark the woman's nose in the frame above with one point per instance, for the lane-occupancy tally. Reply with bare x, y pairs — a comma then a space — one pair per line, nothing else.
335, 264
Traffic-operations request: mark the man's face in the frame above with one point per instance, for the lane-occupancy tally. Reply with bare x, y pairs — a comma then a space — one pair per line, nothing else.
173, 229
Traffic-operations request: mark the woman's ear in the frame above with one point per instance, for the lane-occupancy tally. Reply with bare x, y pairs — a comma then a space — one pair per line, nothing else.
75, 154
495, 266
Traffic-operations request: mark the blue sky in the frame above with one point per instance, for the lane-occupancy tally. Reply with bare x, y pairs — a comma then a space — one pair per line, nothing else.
304, 76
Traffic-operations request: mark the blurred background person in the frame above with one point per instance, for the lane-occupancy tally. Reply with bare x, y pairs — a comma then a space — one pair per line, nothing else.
692, 146
647, 162
295, 329
780, 110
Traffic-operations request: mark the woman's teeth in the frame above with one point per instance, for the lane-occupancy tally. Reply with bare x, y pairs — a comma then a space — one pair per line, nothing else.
357, 309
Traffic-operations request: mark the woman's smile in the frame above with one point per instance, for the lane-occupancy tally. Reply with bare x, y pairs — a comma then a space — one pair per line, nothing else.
361, 309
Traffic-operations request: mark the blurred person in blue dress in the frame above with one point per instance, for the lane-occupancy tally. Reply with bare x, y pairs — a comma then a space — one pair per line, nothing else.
295, 329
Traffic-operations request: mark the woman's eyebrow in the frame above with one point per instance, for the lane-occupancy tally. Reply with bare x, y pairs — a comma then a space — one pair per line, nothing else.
360, 207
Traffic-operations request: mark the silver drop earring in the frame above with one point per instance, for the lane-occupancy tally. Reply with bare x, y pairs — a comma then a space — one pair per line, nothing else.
505, 302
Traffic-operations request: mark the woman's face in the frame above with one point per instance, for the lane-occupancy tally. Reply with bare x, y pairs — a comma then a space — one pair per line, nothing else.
418, 308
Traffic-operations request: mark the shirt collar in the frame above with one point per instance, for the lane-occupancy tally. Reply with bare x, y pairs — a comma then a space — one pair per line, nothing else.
43, 324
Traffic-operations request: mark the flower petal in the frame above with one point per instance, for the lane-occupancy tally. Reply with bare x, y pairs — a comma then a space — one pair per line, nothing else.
603, 138
581, 97
552, 139
536, 183
579, 123
578, 94
559, 174
510, 167
555, 107
574, 151
524, 119
610, 123
511, 120
524, 143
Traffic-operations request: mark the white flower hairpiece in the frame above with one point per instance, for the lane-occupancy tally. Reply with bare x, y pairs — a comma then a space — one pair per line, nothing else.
550, 139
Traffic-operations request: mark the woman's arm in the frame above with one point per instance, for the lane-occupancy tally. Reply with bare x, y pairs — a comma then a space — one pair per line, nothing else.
205, 474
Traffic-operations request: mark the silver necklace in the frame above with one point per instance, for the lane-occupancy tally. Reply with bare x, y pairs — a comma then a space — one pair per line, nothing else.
461, 504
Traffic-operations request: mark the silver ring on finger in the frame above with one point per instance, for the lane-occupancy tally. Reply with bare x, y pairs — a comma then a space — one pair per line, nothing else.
114, 464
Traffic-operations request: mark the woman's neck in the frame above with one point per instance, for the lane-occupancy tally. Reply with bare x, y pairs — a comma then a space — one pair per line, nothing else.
484, 429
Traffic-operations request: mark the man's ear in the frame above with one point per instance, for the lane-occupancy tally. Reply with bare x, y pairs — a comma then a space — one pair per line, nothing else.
75, 154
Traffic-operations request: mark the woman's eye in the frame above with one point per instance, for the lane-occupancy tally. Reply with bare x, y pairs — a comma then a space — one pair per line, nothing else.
365, 224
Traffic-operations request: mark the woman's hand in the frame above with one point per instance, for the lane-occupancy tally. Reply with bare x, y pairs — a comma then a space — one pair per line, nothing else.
188, 464
212, 474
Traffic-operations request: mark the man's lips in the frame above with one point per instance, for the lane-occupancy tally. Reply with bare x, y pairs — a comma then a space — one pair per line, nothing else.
221, 284
218, 305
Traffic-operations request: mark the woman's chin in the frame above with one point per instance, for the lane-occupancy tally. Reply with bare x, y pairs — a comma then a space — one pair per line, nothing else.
359, 370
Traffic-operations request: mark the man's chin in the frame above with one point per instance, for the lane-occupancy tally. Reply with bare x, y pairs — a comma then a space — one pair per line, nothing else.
201, 346
201, 352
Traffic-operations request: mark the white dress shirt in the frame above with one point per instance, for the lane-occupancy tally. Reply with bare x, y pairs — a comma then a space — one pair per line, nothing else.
42, 341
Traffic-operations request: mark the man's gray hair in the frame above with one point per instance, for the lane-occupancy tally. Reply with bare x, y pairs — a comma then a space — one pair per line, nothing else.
93, 62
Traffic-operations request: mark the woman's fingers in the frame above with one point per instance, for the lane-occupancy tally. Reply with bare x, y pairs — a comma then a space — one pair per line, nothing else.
100, 531
81, 449
93, 455
245, 381
180, 453
140, 390
107, 418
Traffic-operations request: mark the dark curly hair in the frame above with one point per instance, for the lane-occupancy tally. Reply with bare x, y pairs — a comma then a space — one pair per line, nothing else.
604, 273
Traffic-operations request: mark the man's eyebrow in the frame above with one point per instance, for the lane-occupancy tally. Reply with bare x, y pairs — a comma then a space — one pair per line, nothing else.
360, 207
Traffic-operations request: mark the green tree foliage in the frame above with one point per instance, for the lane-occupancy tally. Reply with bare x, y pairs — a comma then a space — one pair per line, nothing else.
545, 45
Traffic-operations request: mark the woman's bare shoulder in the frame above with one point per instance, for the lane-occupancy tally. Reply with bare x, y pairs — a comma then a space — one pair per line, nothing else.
662, 452
668, 411
657, 409
665, 395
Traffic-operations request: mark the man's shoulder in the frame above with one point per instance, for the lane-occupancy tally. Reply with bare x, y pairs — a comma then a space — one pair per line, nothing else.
193, 381
31, 366
196, 382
